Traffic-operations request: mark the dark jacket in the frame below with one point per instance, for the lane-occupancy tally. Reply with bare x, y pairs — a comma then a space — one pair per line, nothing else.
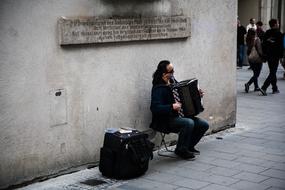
241, 31
161, 107
272, 44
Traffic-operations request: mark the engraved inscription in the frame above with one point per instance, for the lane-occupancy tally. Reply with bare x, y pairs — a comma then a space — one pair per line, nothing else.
98, 30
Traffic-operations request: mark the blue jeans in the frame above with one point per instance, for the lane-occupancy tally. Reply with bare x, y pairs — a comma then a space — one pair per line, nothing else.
240, 54
190, 130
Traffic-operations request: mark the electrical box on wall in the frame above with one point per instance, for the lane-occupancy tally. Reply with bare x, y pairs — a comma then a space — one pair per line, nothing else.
58, 108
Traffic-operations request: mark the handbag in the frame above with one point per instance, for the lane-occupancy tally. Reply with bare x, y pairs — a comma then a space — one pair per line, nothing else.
254, 56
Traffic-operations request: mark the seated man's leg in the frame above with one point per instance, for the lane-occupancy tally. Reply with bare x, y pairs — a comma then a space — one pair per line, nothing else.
185, 128
200, 127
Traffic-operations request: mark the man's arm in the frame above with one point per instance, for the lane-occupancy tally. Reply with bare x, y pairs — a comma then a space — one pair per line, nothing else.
157, 105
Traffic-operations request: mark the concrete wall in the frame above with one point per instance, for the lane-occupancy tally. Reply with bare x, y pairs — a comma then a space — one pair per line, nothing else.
100, 85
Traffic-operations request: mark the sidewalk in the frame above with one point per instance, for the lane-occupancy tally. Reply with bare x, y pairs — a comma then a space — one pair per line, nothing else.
250, 156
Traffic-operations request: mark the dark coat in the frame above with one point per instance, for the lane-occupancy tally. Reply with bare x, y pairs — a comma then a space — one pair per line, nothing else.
241, 31
272, 43
161, 107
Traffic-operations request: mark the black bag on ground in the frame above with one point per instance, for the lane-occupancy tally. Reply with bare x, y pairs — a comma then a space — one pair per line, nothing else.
125, 155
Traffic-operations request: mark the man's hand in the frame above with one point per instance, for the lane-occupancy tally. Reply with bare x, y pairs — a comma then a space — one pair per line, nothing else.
176, 106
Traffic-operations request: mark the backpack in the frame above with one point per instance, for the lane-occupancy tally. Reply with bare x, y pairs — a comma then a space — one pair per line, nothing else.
254, 56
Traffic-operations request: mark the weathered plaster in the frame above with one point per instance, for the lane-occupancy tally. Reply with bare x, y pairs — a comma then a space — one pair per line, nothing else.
105, 85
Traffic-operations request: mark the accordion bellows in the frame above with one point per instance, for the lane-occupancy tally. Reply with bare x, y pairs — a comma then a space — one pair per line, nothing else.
190, 97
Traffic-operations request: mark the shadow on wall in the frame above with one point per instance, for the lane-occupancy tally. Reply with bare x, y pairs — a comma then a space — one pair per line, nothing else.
126, 1
133, 8
120, 44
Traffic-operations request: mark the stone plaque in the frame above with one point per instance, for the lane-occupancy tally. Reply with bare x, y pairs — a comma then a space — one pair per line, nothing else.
99, 30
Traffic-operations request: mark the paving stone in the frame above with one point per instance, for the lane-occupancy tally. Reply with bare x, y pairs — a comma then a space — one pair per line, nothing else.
182, 188
279, 166
244, 185
197, 166
235, 138
161, 177
280, 183
205, 159
247, 146
250, 168
249, 160
190, 183
275, 145
253, 135
274, 173
224, 171
225, 163
222, 155
251, 154
275, 188
143, 184
227, 149
254, 141
188, 173
164, 163
251, 177
220, 180
216, 187
274, 151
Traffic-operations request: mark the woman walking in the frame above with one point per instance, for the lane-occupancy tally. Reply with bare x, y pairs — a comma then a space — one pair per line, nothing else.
254, 53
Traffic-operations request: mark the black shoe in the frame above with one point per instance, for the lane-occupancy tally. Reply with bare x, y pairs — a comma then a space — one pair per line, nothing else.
194, 151
184, 154
246, 87
256, 89
275, 91
263, 92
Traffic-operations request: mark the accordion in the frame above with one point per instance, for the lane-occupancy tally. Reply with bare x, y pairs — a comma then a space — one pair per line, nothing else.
189, 96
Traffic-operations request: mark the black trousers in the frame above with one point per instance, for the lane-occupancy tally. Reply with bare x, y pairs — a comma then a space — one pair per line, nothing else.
271, 79
256, 68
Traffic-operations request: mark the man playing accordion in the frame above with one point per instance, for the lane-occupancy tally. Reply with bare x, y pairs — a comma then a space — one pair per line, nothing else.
167, 113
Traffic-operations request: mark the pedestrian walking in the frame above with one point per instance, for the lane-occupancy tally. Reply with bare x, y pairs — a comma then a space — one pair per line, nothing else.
273, 50
241, 31
255, 54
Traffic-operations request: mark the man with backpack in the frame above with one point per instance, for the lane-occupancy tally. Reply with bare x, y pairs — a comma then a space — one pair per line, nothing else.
273, 51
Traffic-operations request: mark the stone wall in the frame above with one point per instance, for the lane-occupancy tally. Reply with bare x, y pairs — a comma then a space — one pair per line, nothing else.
56, 101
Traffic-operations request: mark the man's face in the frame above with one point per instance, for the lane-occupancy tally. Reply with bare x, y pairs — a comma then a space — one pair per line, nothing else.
276, 25
252, 21
169, 71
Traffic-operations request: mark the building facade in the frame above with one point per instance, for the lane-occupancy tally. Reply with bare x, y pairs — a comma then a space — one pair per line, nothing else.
57, 101
262, 10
